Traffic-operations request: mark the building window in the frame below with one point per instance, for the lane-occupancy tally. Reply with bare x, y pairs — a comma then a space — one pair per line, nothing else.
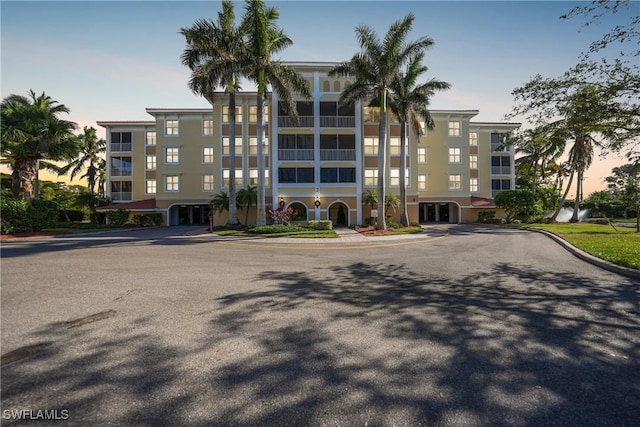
473, 185
338, 175
225, 114
253, 177
151, 137
371, 115
295, 175
422, 182
371, 177
253, 145
171, 127
121, 166
207, 182
207, 127
498, 185
455, 182
500, 165
225, 177
473, 138
225, 145
422, 154
121, 141
121, 190
371, 146
172, 155
454, 155
473, 161
151, 162
172, 183
394, 146
394, 177
151, 186
253, 114
207, 155
454, 128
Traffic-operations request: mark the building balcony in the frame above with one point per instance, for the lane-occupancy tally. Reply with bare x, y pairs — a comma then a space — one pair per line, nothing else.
290, 154
338, 155
337, 121
125, 146
289, 122
119, 196
120, 172
500, 170
499, 148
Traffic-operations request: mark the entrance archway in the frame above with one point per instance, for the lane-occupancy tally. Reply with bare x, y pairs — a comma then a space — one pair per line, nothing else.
299, 212
339, 214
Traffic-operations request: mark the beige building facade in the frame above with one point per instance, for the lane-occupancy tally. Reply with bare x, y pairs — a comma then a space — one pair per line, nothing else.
320, 166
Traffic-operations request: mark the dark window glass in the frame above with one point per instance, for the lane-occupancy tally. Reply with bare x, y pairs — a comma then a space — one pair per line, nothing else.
495, 161
305, 175
115, 137
506, 184
282, 110
126, 186
287, 175
347, 175
347, 142
286, 142
495, 184
115, 186
328, 142
328, 109
305, 142
126, 137
304, 108
506, 161
495, 138
328, 175
347, 110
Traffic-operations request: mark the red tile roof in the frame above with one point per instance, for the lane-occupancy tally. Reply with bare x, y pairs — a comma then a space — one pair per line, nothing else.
147, 204
480, 202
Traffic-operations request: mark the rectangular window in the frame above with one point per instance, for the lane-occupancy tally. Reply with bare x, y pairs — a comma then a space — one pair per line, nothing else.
473, 185
422, 182
207, 127
473, 161
454, 155
172, 183
371, 177
455, 182
473, 138
253, 145
394, 146
151, 162
207, 182
121, 141
151, 186
172, 155
207, 155
171, 128
225, 177
121, 190
295, 175
422, 154
225, 145
500, 165
371, 146
151, 137
253, 177
253, 114
454, 128
394, 177
338, 175
225, 114
121, 166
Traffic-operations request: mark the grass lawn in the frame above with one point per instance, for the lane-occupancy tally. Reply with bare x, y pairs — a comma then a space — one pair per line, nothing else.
302, 234
370, 231
620, 247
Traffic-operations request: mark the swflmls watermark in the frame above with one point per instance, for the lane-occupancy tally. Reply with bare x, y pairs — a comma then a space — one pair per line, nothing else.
36, 414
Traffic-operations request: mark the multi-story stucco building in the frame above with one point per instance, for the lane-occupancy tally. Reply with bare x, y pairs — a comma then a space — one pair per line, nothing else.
321, 166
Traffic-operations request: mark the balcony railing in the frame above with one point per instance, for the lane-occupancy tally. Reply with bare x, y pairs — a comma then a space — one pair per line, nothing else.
337, 122
288, 122
288, 154
121, 195
501, 170
497, 147
338, 155
124, 146
120, 171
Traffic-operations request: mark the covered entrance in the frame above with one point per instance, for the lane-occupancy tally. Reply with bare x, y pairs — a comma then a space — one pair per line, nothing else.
188, 214
339, 214
437, 212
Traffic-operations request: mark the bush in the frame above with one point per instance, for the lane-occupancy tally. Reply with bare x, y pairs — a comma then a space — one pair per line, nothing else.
14, 215
118, 217
276, 228
519, 205
42, 214
147, 220
486, 217
71, 214
321, 224
370, 221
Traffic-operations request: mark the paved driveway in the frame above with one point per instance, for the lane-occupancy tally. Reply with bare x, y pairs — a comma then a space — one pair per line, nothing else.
480, 327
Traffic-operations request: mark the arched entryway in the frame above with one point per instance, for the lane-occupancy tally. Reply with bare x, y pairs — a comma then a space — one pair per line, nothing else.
339, 214
299, 211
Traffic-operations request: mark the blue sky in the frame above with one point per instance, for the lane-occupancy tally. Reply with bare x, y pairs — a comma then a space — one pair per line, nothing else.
111, 60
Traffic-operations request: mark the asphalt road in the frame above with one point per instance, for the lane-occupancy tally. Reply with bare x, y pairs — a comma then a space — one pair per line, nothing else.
480, 327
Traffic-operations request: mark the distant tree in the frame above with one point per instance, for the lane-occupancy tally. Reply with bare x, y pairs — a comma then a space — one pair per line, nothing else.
625, 185
89, 157
519, 205
247, 197
219, 203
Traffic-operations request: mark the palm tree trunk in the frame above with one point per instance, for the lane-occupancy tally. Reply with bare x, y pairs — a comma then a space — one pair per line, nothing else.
23, 177
404, 219
382, 162
576, 207
564, 197
233, 211
261, 212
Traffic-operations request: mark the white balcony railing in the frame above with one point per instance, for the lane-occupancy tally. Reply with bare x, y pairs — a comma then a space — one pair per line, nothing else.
289, 154
124, 146
120, 171
337, 122
501, 170
288, 122
121, 195
338, 155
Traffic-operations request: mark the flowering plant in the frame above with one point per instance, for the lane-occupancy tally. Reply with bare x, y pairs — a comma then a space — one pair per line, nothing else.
280, 215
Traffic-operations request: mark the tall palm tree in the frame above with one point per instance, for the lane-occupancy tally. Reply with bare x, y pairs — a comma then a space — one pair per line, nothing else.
89, 157
216, 55
247, 197
374, 69
32, 135
219, 203
264, 39
410, 103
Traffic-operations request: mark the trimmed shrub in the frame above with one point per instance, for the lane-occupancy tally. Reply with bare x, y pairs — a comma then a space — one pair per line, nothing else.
147, 220
275, 228
14, 215
486, 217
518, 204
42, 214
321, 224
118, 217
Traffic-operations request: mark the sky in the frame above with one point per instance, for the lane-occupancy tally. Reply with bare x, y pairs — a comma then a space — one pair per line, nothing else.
111, 60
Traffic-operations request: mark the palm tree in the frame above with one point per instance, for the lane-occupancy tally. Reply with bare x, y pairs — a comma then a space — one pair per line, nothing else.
374, 70
410, 104
264, 40
392, 203
247, 197
216, 55
32, 136
91, 149
219, 203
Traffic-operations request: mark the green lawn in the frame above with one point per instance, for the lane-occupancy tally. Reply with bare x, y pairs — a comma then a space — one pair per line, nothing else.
620, 247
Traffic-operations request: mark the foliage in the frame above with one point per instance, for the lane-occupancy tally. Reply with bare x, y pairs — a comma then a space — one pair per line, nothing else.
91, 150
246, 198
280, 215
625, 186
14, 214
219, 203
72, 215
147, 220
392, 203
42, 214
118, 217
519, 205
321, 224
275, 229
487, 217
370, 197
